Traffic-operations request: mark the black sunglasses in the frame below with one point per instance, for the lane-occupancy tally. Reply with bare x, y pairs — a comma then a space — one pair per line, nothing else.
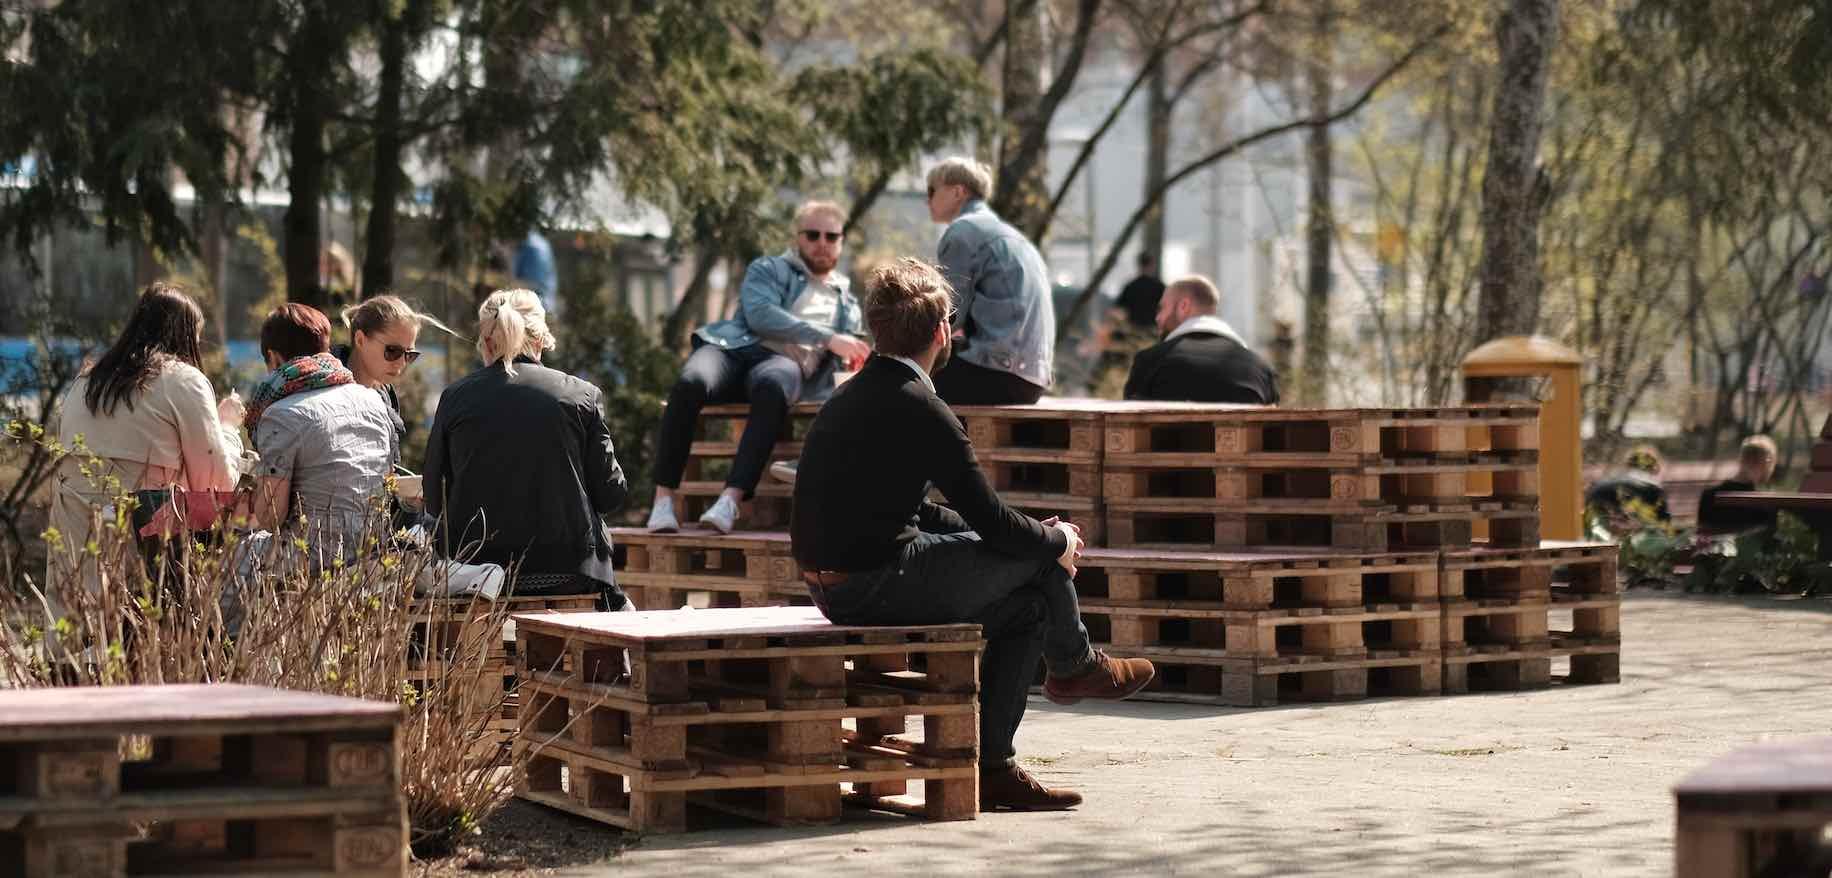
394, 352
814, 235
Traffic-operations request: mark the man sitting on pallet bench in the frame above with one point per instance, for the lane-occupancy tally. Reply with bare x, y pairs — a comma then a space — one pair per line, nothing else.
875, 551
1202, 358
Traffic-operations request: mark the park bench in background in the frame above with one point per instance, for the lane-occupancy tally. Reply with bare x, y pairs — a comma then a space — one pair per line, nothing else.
1760, 810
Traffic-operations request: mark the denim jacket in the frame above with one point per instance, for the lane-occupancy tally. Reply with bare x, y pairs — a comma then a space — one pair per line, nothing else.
771, 286
1002, 294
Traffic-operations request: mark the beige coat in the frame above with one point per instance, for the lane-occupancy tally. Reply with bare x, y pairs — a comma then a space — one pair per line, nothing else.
171, 436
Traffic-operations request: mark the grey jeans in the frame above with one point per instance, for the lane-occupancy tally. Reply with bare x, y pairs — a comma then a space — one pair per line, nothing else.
1025, 609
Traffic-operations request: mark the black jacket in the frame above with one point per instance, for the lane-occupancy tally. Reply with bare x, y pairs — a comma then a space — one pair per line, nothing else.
522, 465
862, 486
1202, 367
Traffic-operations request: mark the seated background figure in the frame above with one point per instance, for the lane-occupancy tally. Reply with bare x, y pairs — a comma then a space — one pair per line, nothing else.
519, 466
794, 327
1201, 358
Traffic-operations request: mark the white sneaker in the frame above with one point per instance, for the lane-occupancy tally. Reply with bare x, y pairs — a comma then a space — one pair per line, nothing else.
784, 470
722, 516
661, 517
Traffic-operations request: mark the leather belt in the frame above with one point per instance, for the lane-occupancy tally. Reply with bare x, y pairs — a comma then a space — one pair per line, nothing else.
825, 578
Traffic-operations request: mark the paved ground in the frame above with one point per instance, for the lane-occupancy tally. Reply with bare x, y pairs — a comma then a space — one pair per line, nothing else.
1568, 781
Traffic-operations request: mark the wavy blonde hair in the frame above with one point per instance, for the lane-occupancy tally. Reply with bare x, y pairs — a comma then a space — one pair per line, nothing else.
513, 322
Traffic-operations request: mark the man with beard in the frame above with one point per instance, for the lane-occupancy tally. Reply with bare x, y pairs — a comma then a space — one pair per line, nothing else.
793, 329
875, 551
1201, 358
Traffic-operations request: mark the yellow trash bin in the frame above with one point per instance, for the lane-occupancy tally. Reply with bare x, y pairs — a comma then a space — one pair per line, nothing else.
1561, 482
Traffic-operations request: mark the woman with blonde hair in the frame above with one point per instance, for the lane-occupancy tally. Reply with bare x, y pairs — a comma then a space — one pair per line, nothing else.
520, 468
383, 331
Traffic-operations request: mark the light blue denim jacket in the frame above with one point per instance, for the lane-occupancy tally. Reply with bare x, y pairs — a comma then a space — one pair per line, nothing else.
1002, 294
771, 286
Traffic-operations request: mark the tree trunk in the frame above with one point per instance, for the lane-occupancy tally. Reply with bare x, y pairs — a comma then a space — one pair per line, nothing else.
686, 313
215, 257
1313, 387
1513, 194
1157, 162
310, 58
1022, 188
385, 191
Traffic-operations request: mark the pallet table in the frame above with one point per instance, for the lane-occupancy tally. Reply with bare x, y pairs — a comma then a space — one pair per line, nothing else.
226, 779
1504, 616
764, 712
1760, 810
1254, 628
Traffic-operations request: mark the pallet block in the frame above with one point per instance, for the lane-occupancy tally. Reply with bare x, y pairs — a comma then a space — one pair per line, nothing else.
1759, 810
746, 711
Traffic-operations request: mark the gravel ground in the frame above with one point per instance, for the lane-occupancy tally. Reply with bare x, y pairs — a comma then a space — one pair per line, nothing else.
1566, 781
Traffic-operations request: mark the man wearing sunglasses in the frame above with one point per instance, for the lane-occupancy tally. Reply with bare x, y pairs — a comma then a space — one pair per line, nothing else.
1005, 334
794, 328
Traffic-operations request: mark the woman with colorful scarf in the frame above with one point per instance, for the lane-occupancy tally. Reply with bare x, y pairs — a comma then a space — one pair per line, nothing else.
326, 442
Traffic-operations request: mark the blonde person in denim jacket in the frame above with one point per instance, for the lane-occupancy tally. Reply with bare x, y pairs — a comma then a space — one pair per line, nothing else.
794, 328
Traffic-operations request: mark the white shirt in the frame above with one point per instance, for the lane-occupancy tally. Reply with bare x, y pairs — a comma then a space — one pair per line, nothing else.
917, 368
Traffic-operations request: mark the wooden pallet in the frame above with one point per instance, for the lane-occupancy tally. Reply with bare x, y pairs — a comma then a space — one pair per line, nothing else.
232, 779
1403, 486
1246, 580
1065, 431
764, 712
1294, 636
1759, 810
468, 643
1487, 571
743, 569
1193, 437
716, 434
1205, 524
1201, 679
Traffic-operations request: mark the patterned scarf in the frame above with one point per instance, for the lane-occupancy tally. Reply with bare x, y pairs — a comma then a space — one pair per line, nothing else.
295, 376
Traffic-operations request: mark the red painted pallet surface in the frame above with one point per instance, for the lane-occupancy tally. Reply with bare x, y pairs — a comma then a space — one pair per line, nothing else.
765, 712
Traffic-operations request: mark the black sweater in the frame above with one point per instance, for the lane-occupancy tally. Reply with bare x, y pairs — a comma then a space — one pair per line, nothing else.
866, 467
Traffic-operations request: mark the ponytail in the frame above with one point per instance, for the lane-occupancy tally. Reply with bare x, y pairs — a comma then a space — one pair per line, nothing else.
514, 324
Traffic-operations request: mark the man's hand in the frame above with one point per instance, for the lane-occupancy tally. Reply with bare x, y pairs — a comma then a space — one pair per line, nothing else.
1072, 550
849, 349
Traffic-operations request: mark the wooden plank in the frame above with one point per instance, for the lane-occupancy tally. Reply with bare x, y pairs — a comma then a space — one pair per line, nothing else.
660, 626
189, 709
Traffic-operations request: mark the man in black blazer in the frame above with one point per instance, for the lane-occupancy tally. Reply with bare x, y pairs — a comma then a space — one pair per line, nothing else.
1201, 358
875, 551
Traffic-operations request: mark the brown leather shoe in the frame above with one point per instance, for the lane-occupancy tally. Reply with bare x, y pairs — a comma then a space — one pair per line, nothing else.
1108, 678
1013, 789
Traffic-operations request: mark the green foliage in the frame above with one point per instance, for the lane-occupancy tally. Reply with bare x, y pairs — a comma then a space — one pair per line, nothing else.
897, 105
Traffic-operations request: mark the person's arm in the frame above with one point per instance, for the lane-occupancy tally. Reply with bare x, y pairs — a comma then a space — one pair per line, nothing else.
604, 479
279, 435
434, 474
760, 300
956, 254
954, 469
934, 518
208, 448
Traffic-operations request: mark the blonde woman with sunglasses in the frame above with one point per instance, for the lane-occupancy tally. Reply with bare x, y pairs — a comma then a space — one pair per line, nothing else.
383, 331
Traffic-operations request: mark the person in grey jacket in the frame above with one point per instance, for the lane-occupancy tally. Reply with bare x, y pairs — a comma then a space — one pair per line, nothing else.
794, 326
1005, 323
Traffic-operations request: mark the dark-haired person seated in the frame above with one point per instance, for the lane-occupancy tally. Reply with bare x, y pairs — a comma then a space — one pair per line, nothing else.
519, 465
1755, 466
875, 551
327, 443
1201, 358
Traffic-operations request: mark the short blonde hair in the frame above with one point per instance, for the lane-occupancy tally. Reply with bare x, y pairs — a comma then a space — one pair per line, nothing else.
515, 321
1199, 289
963, 171
812, 208
1759, 449
904, 301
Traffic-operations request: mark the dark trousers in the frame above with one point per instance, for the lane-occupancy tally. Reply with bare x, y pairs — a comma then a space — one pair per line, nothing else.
963, 383
1025, 609
769, 381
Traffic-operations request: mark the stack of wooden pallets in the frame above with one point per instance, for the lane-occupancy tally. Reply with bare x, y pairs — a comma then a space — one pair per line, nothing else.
740, 569
189, 780
763, 712
709, 461
1510, 615
466, 642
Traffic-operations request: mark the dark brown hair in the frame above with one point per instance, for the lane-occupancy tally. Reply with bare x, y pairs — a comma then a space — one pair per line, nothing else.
164, 326
904, 301
295, 330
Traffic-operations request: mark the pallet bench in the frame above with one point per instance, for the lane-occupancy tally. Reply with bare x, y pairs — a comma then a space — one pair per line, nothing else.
741, 569
1508, 618
1759, 810
467, 642
763, 712
226, 779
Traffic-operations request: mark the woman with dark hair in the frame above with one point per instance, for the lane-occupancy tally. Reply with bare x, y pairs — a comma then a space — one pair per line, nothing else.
146, 411
326, 441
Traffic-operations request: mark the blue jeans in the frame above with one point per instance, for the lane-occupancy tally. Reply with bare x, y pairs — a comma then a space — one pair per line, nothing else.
1026, 610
